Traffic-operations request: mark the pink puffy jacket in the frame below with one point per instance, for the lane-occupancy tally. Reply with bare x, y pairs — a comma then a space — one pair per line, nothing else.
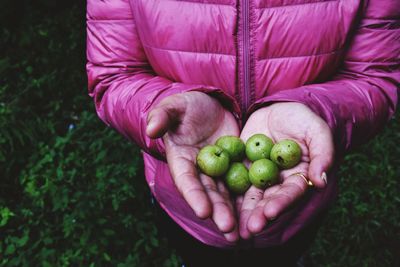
339, 57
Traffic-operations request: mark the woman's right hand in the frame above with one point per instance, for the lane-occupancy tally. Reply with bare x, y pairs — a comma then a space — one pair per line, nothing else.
187, 122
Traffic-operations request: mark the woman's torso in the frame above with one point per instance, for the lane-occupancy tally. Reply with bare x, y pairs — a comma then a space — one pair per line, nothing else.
249, 49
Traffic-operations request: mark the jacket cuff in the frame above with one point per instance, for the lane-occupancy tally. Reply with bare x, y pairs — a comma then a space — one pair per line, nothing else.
304, 96
320, 105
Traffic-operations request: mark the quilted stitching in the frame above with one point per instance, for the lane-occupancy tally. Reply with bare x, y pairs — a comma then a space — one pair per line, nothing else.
202, 3
299, 4
182, 51
303, 56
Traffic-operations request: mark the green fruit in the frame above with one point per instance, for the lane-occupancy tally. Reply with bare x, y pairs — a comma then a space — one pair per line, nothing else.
213, 161
233, 145
286, 154
237, 178
258, 147
263, 173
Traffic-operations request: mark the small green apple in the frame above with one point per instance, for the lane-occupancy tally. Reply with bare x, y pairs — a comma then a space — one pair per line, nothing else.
237, 178
213, 160
286, 154
233, 145
258, 147
263, 173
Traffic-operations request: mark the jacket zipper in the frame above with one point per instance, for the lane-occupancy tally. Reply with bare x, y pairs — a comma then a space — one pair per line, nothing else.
246, 56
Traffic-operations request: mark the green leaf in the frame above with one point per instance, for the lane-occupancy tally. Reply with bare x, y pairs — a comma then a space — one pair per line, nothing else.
10, 249
154, 241
5, 215
106, 256
23, 240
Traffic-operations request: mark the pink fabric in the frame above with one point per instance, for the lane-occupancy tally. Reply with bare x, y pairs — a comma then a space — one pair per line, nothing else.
340, 58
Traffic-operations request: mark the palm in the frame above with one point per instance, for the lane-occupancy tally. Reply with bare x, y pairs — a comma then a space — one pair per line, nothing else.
285, 121
199, 110
193, 121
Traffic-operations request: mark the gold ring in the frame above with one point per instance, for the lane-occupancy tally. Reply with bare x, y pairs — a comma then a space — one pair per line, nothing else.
308, 182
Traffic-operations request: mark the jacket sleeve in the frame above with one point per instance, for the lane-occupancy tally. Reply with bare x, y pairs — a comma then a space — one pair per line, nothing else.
120, 78
362, 97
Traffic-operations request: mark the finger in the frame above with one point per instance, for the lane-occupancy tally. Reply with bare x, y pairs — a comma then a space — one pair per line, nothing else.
250, 200
164, 116
222, 211
224, 192
272, 190
186, 180
289, 192
257, 219
158, 123
321, 156
302, 167
239, 202
232, 236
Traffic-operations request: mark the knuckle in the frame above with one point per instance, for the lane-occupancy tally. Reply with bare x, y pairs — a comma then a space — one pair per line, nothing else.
210, 188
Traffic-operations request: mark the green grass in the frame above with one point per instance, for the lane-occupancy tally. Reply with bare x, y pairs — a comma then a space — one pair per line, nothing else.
72, 192
363, 227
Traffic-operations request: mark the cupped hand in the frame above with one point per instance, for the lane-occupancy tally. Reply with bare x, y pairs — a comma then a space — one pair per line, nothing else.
280, 121
187, 122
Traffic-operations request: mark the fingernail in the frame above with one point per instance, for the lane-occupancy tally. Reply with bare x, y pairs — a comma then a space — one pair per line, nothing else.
324, 177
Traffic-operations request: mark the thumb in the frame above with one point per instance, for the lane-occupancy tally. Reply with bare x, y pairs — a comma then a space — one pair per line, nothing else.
164, 116
321, 156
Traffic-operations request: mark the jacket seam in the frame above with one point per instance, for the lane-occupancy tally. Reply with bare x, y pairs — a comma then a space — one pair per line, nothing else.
301, 56
394, 60
183, 51
194, 2
92, 20
312, 3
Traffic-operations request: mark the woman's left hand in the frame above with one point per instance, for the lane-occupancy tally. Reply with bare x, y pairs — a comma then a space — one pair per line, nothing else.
287, 120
